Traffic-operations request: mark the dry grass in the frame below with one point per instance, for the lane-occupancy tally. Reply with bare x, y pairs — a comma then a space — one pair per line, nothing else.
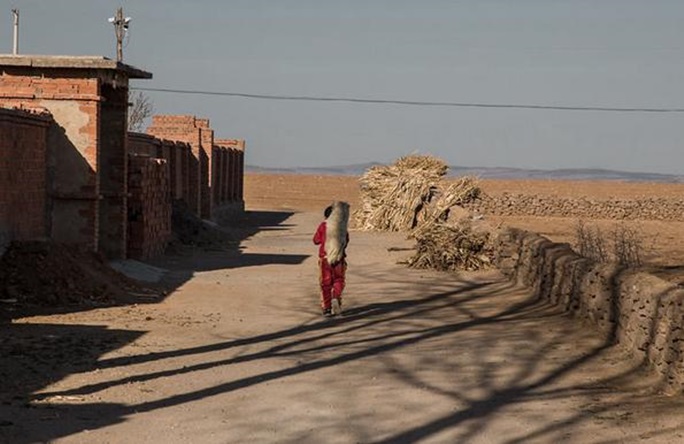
456, 193
622, 244
447, 247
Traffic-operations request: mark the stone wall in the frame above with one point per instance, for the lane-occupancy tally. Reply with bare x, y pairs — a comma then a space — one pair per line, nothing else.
641, 312
508, 204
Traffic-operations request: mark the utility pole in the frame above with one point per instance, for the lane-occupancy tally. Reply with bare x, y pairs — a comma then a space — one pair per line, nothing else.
15, 45
120, 27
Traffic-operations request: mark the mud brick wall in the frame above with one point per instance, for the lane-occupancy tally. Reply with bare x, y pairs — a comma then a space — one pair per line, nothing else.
641, 312
23, 169
656, 208
149, 206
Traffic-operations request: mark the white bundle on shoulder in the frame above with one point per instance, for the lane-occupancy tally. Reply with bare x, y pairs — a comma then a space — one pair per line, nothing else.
336, 232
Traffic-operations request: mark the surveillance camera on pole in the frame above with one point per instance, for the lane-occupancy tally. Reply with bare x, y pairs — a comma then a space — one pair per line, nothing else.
120, 27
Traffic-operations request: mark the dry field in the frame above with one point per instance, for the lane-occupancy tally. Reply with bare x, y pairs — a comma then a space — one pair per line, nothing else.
663, 240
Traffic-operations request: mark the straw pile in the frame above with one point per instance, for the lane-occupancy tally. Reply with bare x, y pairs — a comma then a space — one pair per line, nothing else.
457, 193
446, 247
393, 196
409, 196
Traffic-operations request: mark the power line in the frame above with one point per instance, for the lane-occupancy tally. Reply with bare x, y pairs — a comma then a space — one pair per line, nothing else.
412, 102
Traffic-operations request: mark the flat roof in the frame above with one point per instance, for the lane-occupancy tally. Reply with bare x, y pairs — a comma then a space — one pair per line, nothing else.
72, 62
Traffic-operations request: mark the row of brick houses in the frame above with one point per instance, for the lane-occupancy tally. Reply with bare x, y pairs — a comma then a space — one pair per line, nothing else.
71, 172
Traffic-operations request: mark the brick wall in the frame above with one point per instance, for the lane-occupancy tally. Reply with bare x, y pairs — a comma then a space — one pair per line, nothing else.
86, 159
215, 167
195, 133
144, 144
149, 206
73, 185
183, 168
54, 183
176, 155
235, 153
112, 170
23, 148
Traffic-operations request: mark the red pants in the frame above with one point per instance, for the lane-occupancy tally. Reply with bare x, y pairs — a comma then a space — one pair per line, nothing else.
332, 281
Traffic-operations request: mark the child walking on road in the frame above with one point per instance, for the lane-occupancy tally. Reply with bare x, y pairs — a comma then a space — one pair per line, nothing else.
332, 237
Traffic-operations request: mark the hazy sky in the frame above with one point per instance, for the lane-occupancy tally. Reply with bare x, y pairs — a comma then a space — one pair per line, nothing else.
595, 53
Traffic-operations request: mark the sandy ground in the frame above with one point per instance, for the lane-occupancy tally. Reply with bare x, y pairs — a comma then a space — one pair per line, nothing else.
238, 352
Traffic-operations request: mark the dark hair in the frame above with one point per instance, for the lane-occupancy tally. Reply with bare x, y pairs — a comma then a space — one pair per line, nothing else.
327, 211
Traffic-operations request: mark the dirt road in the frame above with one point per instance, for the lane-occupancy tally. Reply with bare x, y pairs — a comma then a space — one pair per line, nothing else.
239, 353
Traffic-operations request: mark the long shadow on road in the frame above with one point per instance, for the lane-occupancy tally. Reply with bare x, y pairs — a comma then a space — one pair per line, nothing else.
378, 330
35, 355
478, 318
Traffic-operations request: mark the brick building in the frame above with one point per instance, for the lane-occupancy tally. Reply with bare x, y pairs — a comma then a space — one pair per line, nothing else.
86, 162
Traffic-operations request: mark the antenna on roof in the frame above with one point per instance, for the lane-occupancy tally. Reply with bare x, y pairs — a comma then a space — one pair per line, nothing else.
120, 27
15, 45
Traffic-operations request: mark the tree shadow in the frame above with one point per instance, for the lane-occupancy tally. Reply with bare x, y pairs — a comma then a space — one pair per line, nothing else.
151, 281
469, 317
522, 349
37, 355
180, 268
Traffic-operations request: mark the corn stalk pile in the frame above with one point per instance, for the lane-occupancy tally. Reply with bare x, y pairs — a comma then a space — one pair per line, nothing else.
393, 196
460, 192
410, 196
447, 247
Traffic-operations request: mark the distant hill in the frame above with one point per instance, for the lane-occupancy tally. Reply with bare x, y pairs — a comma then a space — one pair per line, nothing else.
341, 170
488, 173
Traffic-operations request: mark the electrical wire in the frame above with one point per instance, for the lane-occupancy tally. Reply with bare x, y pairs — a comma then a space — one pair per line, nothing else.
412, 102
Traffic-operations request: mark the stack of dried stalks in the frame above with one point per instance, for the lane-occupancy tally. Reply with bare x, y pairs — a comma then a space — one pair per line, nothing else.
410, 196
448, 247
392, 196
457, 193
